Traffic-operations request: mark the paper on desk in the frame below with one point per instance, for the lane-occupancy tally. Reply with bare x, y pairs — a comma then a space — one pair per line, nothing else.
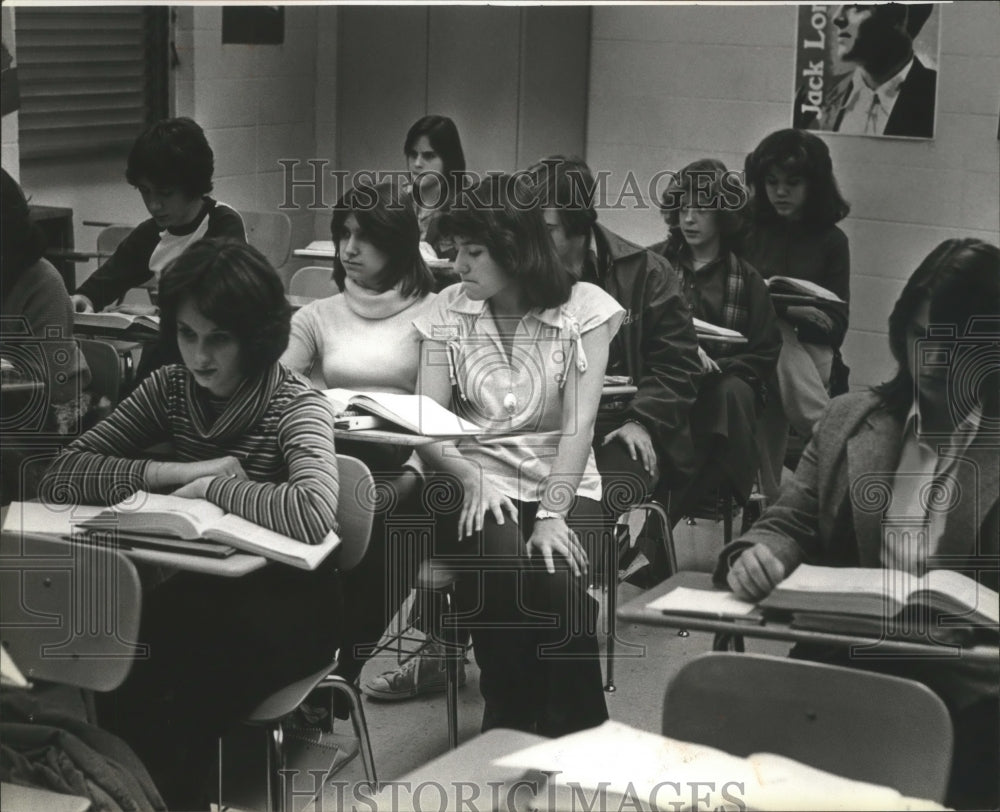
10, 674
686, 601
621, 760
40, 517
783, 783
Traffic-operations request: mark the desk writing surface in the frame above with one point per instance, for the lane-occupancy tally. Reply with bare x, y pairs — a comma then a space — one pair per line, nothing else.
637, 611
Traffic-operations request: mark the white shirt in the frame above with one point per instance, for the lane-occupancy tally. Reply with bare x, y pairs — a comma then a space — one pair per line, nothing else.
522, 392
867, 110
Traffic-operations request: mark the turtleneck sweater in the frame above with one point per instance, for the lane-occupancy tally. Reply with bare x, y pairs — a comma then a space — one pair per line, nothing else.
358, 339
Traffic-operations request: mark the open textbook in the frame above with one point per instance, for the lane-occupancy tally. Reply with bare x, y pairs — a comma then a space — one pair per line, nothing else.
163, 515
791, 288
877, 593
414, 413
116, 323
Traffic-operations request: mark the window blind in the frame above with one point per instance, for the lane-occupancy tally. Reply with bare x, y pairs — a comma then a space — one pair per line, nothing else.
92, 78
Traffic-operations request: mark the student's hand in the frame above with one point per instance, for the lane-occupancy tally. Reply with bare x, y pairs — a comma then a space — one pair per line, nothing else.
707, 363
636, 439
135, 309
755, 573
81, 304
481, 495
198, 489
798, 314
175, 474
554, 535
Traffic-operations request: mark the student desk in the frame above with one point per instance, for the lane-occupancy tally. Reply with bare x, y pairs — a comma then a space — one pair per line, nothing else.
755, 625
234, 566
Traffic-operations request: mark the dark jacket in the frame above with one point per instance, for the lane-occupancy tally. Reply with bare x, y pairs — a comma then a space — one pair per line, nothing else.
656, 346
912, 115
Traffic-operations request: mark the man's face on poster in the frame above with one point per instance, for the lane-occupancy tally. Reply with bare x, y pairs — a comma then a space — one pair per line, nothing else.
856, 32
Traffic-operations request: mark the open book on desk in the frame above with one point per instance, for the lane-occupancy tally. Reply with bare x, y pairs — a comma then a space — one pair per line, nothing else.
418, 414
849, 596
124, 324
790, 290
166, 516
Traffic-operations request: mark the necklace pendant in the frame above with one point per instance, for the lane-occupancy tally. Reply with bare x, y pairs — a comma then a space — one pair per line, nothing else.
510, 402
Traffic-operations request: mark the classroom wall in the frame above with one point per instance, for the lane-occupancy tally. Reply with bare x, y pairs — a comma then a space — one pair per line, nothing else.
669, 85
9, 153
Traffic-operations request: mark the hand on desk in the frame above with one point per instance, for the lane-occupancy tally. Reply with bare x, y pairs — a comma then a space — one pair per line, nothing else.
81, 304
638, 442
707, 363
554, 535
755, 573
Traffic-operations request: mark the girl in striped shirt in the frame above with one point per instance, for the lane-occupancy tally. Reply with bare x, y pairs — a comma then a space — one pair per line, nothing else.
249, 436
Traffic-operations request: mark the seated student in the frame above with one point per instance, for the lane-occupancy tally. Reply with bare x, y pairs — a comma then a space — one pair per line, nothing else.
903, 436
171, 164
36, 332
724, 290
645, 443
521, 347
796, 206
435, 160
363, 338
251, 437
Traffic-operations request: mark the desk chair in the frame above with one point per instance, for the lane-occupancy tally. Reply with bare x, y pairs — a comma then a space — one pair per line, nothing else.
270, 232
312, 280
857, 724
354, 515
69, 613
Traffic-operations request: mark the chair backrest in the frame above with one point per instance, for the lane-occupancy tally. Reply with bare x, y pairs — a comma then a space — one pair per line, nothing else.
355, 508
105, 368
312, 280
857, 724
270, 232
69, 612
109, 238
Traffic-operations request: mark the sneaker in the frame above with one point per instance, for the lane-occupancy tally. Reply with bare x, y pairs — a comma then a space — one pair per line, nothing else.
418, 675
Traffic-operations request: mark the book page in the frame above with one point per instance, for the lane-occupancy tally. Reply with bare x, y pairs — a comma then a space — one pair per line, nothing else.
157, 511
686, 601
791, 284
964, 590
839, 581
252, 538
708, 328
416, 413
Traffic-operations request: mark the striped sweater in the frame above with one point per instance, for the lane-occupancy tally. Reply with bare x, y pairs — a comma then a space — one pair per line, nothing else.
279, 429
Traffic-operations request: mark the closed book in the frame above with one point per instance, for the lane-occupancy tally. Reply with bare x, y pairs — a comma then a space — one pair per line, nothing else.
150, 514
788, 286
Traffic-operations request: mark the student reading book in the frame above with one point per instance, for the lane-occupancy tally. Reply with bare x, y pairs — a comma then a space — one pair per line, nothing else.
253, 439
874, 457
188, 519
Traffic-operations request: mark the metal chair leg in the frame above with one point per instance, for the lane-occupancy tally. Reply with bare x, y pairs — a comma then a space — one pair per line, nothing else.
337, 683
611, 602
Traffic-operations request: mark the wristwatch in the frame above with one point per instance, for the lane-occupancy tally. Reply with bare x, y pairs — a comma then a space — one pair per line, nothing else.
542, 513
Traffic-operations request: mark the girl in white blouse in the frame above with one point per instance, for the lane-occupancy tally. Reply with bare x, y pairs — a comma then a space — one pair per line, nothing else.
521, 350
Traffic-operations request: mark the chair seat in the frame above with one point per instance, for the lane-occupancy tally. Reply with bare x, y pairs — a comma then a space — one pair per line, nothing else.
435, 575
283, 702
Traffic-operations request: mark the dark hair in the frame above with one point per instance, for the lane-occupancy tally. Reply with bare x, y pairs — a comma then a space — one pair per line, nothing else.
386, 217
234, 285
173, 153
566, 184
705, 184
21, 241
443, 136
800, 153
906, 18
502, 213
961, 279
